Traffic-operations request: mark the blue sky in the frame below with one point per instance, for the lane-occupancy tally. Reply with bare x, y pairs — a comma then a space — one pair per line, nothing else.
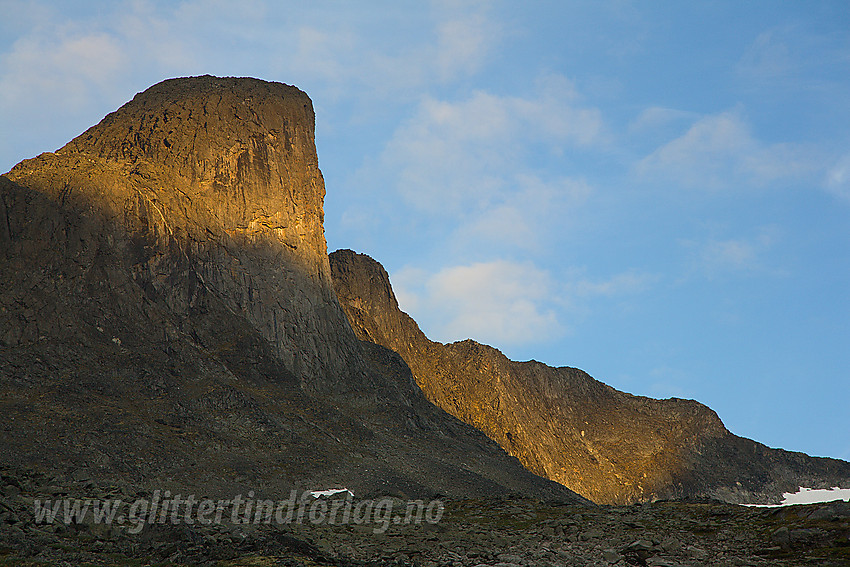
655, 192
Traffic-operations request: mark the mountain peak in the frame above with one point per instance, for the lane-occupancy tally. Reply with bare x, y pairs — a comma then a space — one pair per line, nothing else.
188, 124
215, 180
238, 152
168, 315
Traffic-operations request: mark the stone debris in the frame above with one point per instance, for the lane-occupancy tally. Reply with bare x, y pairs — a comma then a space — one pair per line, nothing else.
502, 532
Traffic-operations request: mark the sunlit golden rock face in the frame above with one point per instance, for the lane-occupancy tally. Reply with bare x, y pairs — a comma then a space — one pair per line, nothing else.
217, 180
242, 150
607, 445
167, 317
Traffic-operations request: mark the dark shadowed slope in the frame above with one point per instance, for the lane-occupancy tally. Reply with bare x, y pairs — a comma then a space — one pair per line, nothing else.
607, 445
167, 316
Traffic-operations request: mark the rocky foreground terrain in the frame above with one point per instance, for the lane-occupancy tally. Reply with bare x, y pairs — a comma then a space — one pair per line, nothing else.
498, 532
171, 325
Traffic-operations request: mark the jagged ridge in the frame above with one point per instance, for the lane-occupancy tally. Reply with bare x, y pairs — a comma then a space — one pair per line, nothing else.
607, 445
168, 315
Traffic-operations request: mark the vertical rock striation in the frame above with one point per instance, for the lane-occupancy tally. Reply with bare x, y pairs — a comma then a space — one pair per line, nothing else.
216, 186
168, 320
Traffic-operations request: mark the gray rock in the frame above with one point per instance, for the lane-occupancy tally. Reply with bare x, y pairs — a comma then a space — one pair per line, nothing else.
641, 545
188, 226
510, 558
662, 562
671, 545
696, 552
591, 534
781, 537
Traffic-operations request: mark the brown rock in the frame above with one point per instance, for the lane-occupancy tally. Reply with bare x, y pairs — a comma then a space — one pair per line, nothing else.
607, 445
217, 186
167, 317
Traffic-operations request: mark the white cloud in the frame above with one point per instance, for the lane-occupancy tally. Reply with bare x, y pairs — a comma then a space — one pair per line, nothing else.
529, 217
64, 66
387, 59
498, 302
719, 151
618, 284
657, 118
767, 57
65, 71
453, 157
838, 178
470, 171
716, 257
463, 44
504, 302
73, 60
735, 254
795, 59
323, 54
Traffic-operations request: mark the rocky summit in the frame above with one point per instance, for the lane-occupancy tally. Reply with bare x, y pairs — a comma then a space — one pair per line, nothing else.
187, 378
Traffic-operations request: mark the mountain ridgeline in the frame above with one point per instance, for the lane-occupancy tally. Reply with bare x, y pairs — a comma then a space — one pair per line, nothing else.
607, 445
170, 318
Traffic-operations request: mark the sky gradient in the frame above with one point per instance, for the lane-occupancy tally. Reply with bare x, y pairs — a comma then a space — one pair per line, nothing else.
655, 192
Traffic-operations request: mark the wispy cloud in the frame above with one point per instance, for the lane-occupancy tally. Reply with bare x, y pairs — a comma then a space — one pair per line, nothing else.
658, 117
498, 302
624, 283
463, 43
506, 303
720, 152
70, 60
68, 69
66, 66
795, 58
768, 57
339, 58
477, 175
525, 218
719, 257
458, 156
838, 178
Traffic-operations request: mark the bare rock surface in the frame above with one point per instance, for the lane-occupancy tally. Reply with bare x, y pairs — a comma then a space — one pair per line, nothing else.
202, 185
169, 328
482, 532
609, 446
167, 318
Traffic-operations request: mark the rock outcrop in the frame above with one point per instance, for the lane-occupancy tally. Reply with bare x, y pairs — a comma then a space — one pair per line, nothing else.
167, 316
496, 532
215, 184
607, 445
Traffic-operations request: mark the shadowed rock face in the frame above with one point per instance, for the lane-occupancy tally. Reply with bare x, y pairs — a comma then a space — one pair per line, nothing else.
216, 184
167, 316
607, 445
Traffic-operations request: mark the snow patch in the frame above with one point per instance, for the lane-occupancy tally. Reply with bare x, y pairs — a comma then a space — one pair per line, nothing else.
809, 496
328, 493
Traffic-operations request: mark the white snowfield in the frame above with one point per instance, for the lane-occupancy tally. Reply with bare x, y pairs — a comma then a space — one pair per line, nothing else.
810, 496
328, 493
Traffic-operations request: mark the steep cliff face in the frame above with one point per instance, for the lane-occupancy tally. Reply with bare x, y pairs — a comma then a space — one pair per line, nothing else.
215, 182
167, 315
607, 445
